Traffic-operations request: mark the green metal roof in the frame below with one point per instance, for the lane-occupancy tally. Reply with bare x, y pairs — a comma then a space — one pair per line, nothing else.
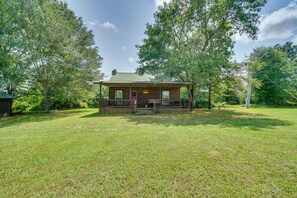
121, 79
134, 78
131, 77
4, 95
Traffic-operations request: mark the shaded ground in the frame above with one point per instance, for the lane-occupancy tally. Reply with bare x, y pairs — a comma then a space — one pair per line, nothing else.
224, 118
229, 152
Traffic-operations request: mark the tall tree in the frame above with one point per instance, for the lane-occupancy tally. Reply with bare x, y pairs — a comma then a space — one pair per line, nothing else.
275, 76
64, 58
61, 56
192, 40
289, 49
14, 58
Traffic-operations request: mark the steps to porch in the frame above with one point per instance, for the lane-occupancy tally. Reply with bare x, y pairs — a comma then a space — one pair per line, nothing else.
144, 111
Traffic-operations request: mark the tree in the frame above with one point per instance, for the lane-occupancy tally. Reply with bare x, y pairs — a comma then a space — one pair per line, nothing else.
192, 40
289, 49
65, 59
274, 76
14, 58
61, 58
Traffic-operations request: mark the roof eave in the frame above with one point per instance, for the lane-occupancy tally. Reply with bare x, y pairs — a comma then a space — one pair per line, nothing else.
141, 82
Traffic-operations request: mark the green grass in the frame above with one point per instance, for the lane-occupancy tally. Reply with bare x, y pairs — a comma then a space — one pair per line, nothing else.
219, 153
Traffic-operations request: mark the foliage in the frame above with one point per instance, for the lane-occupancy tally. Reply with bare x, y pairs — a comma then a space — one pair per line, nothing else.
289, 49
14, 57
55, 52
93, 102
192, 40
20, 106
220, 105
201, 99
275, 74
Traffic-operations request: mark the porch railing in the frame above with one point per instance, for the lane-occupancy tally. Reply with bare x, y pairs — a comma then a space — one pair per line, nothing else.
156, 103
116, 103
184, 103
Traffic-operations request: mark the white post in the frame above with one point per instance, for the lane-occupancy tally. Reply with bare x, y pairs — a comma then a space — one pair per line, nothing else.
249, 92
249, 89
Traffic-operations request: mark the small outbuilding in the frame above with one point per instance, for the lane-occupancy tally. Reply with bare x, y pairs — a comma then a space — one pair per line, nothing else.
5, 104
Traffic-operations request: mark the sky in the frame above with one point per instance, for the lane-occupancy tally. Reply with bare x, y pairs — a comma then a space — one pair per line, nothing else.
119, 25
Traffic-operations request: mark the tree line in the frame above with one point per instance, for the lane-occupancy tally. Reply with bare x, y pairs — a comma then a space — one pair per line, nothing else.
47, 54
48, 57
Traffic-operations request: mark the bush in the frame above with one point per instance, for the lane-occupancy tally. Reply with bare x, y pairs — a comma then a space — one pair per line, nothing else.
64, 104
19, 106
93, 102
202, 100
220, 105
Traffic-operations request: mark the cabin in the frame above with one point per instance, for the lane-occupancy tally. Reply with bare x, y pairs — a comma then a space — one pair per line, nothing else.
142, 94
5, 104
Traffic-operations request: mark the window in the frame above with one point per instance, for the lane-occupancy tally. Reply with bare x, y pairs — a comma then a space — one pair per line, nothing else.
118, 97
165, 97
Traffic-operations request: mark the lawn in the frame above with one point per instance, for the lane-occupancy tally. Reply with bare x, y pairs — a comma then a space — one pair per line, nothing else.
233, 151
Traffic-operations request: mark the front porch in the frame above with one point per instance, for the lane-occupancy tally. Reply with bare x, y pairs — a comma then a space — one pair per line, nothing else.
153, 106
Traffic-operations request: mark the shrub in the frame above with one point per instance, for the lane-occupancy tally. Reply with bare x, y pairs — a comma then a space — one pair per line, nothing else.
19, 106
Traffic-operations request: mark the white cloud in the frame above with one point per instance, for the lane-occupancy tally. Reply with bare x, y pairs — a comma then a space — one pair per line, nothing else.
161, 2
131, 60
123, 48
295, 40
92, 23
110, 26
280, 24
242, 38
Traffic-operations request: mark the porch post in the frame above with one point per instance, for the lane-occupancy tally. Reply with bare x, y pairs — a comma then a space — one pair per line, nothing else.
130, 93
160, 97
189, 98
130, 99
160, 94
100, 98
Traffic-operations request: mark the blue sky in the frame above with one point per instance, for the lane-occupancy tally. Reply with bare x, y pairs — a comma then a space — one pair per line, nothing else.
118, 25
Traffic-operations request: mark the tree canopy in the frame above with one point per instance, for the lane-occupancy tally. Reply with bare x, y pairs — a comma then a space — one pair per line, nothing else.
274, 71
192, 40
47, 50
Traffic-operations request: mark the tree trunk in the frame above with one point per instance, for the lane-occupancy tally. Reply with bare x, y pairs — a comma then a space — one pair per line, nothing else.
9, 90
209, 93
193, 96
209, 97
47, 103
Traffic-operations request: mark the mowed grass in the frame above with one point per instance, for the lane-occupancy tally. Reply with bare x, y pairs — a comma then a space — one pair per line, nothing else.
220, 153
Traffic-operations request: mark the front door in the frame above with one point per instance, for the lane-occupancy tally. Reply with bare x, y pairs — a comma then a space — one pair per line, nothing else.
133, 97
165, 97
118, 97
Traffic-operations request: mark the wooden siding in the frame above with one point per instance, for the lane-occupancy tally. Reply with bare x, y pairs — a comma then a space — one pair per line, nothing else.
142, 99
